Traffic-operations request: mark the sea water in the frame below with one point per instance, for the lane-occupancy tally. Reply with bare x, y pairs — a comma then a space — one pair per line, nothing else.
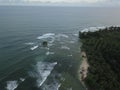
25, 64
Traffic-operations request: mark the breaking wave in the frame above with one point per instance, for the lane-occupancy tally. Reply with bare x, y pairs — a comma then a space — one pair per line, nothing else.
34, 47
92, 29
58, 86
50, 38
42, 71
22, 79
75, 34
65, 47
72, 41
12, 85
62, 35
53, 86
30, 43
70, 55
48, 35
48, 53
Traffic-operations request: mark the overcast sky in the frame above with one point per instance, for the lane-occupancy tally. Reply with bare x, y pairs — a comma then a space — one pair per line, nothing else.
65, 2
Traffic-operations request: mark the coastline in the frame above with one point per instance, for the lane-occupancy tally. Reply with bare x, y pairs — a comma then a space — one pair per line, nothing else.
103, 56
83, 70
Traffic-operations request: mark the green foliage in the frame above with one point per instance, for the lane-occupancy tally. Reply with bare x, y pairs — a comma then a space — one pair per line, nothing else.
103, 52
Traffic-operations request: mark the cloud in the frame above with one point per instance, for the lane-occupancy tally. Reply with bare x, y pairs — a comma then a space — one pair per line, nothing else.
66, 2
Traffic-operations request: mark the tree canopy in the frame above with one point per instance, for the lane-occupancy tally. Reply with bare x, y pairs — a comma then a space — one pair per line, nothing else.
103, 52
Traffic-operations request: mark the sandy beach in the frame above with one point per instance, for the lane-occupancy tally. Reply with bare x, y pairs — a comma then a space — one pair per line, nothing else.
83, 68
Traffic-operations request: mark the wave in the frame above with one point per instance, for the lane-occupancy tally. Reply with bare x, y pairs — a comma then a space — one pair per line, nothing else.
22, 79
48, 53
75, 34
58, 86
34, 47
70, 55
49, 45
65, 47
50, 38
48, 35
62, 35
92, 29
30, 43
72, 41
42, 71
53, 86
12, 85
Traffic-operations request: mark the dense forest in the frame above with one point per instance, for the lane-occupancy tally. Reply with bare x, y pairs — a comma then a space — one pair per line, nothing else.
103, 52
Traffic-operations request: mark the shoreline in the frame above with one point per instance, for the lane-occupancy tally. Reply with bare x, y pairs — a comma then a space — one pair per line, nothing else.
104, 71
83, 68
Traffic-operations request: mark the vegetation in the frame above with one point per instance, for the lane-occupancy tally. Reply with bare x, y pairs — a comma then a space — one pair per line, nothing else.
103, 52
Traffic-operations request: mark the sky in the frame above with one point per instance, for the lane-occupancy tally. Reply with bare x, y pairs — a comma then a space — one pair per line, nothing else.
64, 2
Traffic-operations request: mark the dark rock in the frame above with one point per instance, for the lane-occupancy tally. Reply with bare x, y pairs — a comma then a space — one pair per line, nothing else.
45, 43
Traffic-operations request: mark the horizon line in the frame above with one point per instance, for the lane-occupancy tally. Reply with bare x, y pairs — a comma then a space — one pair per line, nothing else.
56, 5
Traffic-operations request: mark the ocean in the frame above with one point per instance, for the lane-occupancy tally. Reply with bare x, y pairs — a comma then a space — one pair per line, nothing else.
25, 64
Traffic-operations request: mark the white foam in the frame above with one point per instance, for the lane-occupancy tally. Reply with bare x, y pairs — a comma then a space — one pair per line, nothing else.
48, 53
72, 41
65, 47
63, 79
58, 86
75, 34
62, 35
70, 55
48, 35
48, 48
53, 86
49, 45
61, 42
34, 47
30, 43
53, 39
42, 71
92, 29
22, 79
12, 85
